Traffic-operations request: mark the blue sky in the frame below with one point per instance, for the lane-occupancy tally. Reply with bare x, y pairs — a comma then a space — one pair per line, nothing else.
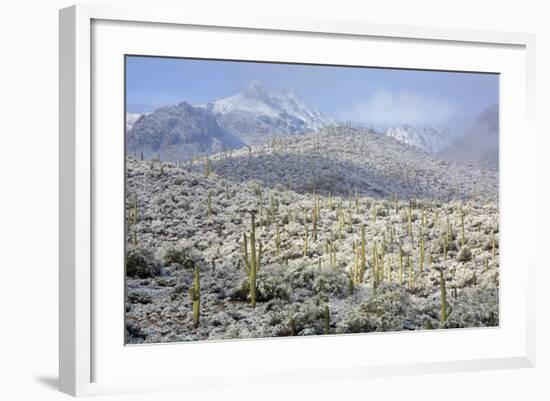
363, 95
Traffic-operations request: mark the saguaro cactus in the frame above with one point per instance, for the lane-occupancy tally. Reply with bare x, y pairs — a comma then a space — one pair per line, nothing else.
409, 265
400, 266
449, 230
277, 239
305, 236
363, 257
462, 238
332, 251
357, 254
227, 191
409, 225
314, 222
424, 217
252, 263
422, 251
375, 273
195, 297
133, 216
382, 257
326, 320
340, 223
443, 295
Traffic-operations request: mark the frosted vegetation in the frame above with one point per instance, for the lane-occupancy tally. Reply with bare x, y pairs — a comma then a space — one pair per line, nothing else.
341, 231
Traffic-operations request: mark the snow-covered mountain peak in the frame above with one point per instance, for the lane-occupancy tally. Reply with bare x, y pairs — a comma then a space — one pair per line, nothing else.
256, 111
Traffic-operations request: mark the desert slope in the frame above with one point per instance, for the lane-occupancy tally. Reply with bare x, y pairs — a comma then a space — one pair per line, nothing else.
342, 161
195, 214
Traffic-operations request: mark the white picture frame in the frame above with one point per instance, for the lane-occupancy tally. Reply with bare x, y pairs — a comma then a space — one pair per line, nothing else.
89, 359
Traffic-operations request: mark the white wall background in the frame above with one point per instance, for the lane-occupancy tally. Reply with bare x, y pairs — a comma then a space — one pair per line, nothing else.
29, 186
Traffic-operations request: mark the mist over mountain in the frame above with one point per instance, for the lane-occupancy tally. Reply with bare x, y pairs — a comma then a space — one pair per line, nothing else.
479, 144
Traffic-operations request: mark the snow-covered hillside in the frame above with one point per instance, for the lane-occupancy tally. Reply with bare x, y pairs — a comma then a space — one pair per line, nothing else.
343, 160
430, 139
178, 132
425, 225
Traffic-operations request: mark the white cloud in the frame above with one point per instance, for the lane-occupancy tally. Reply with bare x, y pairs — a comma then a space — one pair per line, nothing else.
393, 108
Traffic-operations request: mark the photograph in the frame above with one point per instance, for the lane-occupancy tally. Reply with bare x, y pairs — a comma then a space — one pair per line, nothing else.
271, 199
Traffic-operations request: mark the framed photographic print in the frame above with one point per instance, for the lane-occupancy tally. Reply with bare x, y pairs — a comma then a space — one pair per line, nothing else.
351, 195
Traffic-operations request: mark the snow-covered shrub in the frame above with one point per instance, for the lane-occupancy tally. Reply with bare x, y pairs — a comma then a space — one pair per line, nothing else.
173, 254
464, 254
307, 317
464, 278
474, 308
134, 333
157, 226
425, 314
270, 284
301, 275
384, 310
330, 282
141, 263
139, 297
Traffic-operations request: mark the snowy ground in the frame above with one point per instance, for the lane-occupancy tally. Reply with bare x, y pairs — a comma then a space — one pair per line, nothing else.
356, 179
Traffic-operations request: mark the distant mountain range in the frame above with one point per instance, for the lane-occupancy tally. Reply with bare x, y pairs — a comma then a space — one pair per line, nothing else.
255, 114
232, 122
477, 146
